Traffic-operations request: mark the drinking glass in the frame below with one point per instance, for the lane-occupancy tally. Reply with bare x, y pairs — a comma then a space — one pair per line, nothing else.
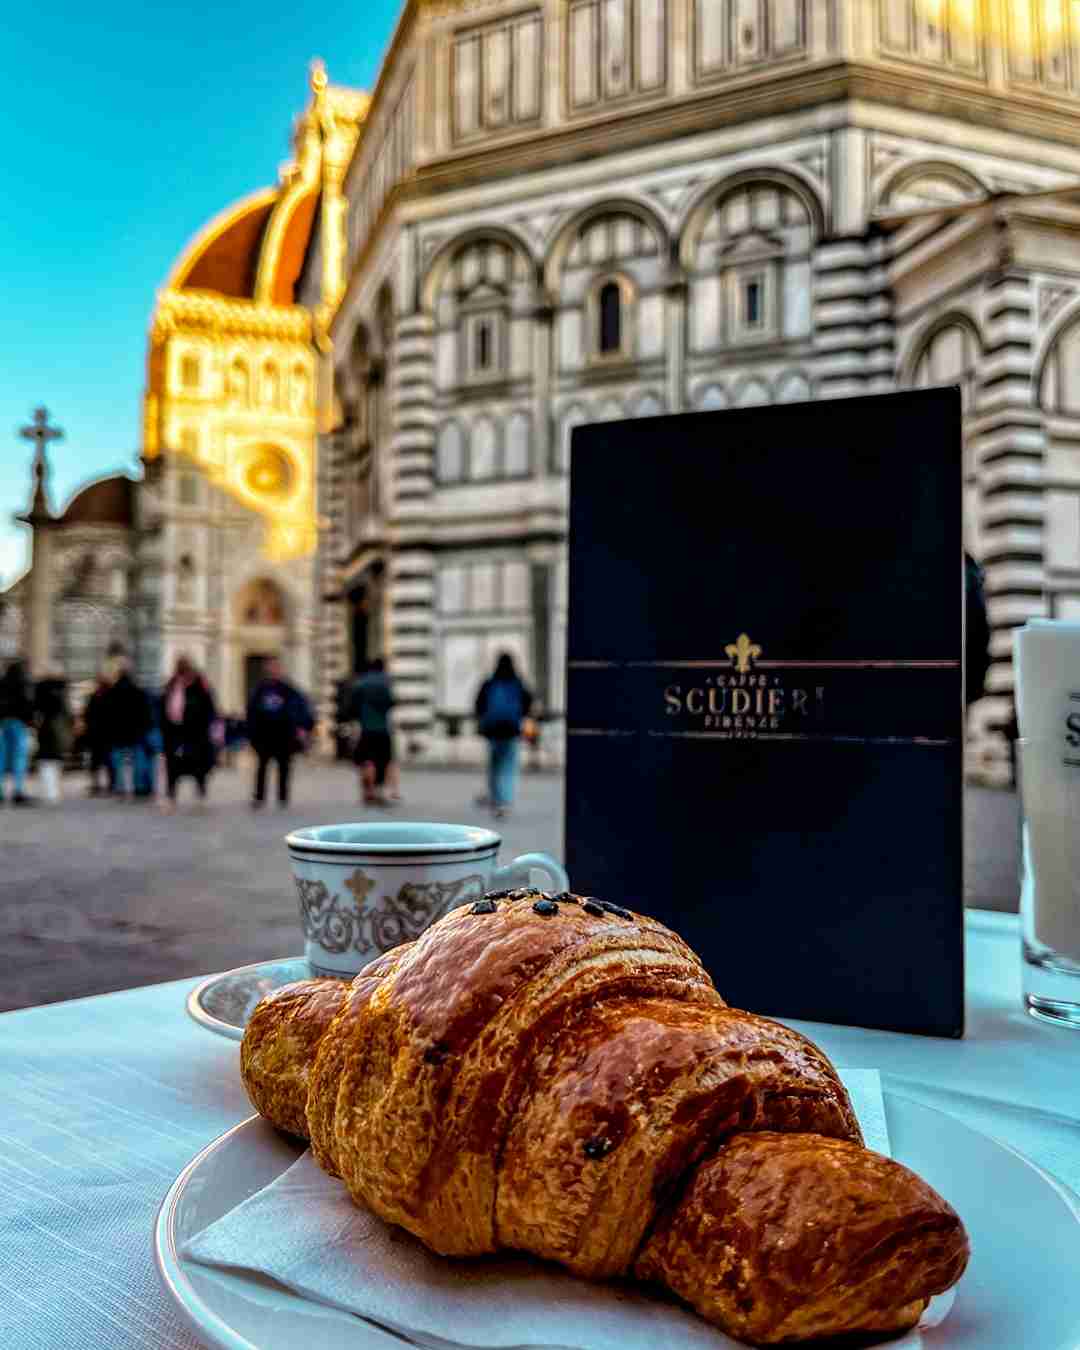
1049, 774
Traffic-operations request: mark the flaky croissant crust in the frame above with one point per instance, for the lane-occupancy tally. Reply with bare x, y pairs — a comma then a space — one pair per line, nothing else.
559, 1076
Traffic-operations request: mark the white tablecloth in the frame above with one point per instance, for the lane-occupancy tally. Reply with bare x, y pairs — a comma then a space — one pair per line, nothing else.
103, 1101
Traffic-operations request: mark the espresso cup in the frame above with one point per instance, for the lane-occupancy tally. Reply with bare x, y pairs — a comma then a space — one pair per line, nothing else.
367, 888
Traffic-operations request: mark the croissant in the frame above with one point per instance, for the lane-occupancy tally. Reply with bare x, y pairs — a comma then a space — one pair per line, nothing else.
559, 1076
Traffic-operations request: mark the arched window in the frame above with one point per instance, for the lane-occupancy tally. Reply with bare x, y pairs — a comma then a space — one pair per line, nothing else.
271, 385
185, 580
190, 372
747, 252
118, 583
239, 382
609, 319
483, 345
518, 447
260, 602
450, 454
950, 355
483, 339
300, 389
483, 462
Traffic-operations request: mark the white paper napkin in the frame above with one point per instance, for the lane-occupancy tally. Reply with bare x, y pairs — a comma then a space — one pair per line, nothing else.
304, 1231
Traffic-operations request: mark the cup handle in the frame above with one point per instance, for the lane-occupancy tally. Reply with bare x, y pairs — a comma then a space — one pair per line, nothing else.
519, 873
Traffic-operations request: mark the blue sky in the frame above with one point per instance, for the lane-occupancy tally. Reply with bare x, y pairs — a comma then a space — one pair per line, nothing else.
127, 126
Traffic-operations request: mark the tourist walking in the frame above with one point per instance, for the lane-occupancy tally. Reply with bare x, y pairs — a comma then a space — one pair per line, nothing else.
125, 722
146, 755
279, 723
95, 738
189, 730
16, 718
370, 701
502, 705
52, 717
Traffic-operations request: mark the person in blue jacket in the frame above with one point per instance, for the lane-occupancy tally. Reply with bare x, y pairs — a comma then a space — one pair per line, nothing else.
502, 705
279, 723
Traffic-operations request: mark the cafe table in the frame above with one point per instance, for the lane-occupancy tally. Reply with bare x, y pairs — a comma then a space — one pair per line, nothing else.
104, 1100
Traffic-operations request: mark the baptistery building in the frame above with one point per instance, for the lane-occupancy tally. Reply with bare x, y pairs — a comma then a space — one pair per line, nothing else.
567, 211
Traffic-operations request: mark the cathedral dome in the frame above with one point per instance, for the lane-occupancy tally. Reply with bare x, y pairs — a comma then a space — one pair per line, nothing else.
109, 501
254, 250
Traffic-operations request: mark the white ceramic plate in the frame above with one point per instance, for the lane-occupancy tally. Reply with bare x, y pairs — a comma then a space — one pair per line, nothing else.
1021, 1289
223, 1003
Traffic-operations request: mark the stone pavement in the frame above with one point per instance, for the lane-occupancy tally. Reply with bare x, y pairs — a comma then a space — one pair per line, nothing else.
97, 895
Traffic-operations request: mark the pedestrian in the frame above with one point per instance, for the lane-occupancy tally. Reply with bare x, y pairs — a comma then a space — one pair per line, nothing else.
502, 705
147, 752
52, 717
16, 719
190, 730
126, 720
976, 632
279, 724
95, 737
370, 701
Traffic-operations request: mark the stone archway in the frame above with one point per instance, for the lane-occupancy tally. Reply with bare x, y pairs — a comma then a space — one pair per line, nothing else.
262, 626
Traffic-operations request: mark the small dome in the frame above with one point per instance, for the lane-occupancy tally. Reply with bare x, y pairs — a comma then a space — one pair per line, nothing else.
109, 501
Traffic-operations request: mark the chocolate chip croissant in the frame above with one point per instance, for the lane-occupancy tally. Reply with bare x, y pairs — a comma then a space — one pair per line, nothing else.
559, 1076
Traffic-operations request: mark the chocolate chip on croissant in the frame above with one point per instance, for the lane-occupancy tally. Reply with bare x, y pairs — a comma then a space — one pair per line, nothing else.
562, 1078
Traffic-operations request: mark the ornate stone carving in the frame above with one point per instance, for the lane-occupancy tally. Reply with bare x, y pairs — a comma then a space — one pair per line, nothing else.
1053, 298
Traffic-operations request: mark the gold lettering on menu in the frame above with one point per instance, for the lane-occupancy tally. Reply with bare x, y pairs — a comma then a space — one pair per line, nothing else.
745, 702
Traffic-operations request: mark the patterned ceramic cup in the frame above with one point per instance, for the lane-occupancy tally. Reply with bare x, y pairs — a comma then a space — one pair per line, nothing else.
366, 888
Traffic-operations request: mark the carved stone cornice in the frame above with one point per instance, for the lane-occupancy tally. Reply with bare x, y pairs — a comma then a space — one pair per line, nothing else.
208, 312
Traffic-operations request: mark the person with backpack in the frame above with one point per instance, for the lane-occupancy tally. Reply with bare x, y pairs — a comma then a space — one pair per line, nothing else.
502, 705
279, 722
370, 701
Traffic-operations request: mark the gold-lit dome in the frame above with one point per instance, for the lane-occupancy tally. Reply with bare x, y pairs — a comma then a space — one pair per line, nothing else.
254, 250
231, 365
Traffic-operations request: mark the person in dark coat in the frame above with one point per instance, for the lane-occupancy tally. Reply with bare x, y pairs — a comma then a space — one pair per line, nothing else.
279, 723
976, 631
189, 727
52, 717
370, 701
95, 738
502, 705
16, 719
126, 720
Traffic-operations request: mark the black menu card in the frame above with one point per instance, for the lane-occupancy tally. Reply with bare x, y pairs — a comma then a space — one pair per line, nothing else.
765, 698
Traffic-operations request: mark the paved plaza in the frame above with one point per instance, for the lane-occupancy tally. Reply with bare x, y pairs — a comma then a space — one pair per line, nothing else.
99, 895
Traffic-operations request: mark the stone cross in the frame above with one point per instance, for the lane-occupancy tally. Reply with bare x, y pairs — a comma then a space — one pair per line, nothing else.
41, 434
39, 518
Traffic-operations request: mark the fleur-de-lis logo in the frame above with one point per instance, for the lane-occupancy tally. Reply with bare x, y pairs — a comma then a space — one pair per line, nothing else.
360, 886
743, 653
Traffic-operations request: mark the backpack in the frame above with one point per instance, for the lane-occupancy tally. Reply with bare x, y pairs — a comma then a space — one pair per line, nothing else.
503, 710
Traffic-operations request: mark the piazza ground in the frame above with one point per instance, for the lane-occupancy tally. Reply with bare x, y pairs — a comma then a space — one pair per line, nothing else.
100, 895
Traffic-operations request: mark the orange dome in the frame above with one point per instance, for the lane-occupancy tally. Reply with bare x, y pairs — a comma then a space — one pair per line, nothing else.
253, 251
